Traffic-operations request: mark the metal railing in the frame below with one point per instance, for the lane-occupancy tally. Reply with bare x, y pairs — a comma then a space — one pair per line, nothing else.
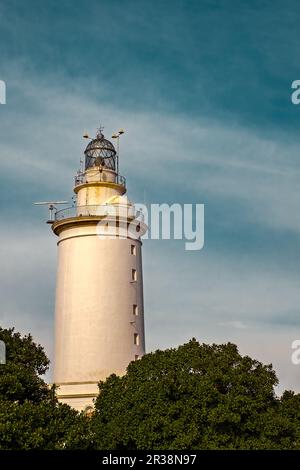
113, 210
80, 178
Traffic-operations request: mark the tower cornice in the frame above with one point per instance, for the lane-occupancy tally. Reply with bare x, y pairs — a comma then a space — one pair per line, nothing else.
80, 221
104, 184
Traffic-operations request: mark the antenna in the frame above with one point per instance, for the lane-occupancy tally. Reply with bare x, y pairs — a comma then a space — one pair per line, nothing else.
51, 206
117, 135
99, 131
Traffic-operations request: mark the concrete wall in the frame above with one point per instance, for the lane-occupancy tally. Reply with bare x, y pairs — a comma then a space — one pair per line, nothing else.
95, 324
95, 318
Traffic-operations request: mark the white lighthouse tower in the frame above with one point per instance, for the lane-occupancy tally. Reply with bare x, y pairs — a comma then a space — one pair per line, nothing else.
99, 313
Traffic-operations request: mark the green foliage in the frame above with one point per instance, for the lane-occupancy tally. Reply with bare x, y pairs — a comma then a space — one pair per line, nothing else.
195, 397
43, 425
30, 415
25, 361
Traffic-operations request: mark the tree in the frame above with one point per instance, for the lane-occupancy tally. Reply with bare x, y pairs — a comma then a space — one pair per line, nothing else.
25, 361
30, 415
195, 397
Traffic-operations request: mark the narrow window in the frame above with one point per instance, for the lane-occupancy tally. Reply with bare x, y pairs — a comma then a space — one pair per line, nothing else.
133, 250
136, 357
136, 339
135, 310
134, 275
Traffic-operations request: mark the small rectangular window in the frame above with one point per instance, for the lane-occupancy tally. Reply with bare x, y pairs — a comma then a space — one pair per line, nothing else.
134, 275
136, 357
133, 250
136, 339
135, 310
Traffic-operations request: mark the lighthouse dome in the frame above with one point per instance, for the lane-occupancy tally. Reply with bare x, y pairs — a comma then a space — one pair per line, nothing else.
100, 152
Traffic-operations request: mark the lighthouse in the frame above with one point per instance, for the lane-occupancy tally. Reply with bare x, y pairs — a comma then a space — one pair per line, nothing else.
99, 308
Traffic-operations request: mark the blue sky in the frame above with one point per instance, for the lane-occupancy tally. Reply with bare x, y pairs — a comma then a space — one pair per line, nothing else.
203, 90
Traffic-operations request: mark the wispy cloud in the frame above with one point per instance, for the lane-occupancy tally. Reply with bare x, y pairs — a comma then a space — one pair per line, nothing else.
234, 324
